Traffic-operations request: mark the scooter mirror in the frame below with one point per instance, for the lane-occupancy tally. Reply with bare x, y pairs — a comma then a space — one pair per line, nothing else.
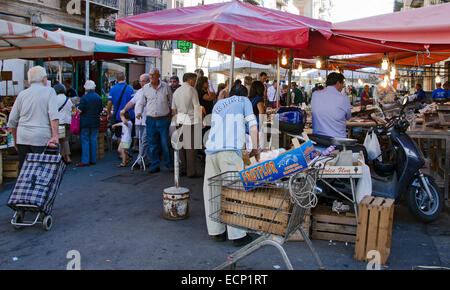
405, 100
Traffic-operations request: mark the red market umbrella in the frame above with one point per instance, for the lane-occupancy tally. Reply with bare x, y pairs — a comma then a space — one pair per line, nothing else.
427, 25
257, 31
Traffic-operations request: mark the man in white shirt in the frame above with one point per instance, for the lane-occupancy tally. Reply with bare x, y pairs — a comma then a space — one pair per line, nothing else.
272, 95
140, 123
157, 97
187, 111
34, 117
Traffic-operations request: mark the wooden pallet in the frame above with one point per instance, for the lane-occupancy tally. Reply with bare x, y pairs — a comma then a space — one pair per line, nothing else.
375, 219
256, 210
327, 225
10, 169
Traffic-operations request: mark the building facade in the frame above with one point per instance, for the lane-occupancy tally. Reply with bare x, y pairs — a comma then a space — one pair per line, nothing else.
176, 62
70, 16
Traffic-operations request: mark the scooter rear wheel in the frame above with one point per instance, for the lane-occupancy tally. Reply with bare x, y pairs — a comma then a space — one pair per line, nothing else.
419, 203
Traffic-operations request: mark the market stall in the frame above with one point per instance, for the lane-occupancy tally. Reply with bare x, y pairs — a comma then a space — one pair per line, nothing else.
29, 42
263, 36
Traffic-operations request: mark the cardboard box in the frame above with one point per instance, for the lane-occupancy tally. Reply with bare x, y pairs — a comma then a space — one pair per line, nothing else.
288, 163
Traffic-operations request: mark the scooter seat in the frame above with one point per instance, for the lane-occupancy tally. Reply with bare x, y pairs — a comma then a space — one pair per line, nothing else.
328, 141
344, 141
322, 140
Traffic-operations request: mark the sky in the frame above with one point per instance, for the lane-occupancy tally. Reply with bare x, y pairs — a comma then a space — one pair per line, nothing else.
344, 10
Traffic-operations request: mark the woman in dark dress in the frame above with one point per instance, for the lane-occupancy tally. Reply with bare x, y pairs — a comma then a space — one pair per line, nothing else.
90, 108
205, 98
256, 96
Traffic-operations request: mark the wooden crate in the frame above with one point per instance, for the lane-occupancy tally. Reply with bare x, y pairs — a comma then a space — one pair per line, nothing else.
375, 219
10, 168
297, 236
430, 119
327, 225
256, 209
100, 146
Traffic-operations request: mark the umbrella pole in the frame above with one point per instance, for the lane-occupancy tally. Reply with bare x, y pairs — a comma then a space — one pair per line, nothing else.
291, 59
231, 66
278, 78
60, 71
86, 63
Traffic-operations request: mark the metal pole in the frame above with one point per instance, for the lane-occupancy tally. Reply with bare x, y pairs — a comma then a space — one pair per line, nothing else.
278, 78
60, 71
233, 47
177, 167
291, 59
87, 34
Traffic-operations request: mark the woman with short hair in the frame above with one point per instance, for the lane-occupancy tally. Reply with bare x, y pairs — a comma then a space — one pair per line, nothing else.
65, 106
90, 108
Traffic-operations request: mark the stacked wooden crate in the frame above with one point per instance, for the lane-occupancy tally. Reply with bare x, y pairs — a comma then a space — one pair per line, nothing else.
101, 145
260, 209
328, 225
10, 167
375, 220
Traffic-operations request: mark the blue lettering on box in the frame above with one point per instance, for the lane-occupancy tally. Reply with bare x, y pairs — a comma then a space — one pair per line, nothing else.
286, 164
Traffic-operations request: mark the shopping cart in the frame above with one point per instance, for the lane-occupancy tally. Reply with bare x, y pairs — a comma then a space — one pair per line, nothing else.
273, 210
36, 188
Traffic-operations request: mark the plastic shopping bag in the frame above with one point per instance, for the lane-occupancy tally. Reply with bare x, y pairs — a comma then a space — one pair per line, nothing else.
372, 146
364, 186
75, 127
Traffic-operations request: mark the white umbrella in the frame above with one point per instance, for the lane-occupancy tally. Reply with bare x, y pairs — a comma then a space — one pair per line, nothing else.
30, 42
246, 67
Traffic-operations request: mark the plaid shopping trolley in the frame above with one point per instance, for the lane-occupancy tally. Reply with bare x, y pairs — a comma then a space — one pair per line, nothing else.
36, 188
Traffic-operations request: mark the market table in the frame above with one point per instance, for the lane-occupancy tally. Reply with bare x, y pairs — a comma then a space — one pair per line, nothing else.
437, 143
358, 124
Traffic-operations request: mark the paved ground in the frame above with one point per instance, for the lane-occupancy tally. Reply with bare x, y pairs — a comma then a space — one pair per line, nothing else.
114, 219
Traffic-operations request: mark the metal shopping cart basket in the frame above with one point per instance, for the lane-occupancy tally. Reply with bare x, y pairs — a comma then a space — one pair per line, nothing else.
273, 210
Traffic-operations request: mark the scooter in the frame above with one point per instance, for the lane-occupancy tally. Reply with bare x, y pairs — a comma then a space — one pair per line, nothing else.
401, 177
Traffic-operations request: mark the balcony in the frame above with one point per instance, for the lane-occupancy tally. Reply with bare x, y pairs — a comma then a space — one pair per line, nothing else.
282, 2
144, 6
109, 4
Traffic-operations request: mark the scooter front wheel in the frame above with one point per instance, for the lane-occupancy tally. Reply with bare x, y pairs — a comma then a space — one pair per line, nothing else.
420, 204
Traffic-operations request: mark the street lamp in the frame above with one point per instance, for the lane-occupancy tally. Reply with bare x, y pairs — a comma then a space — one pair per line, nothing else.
284, 58
393, 71
300, 67
437, 79
318, 63
385, 62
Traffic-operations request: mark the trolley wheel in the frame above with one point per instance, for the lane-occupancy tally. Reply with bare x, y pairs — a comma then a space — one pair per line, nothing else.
18, 219
47, 222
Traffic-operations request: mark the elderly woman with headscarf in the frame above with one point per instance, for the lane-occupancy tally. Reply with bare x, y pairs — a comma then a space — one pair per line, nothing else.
65, 113
90, 108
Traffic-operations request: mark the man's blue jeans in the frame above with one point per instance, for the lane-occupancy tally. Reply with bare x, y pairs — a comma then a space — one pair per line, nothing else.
158, 134
88, 139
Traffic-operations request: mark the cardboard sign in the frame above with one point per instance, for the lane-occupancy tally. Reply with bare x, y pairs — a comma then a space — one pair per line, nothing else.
286, 164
